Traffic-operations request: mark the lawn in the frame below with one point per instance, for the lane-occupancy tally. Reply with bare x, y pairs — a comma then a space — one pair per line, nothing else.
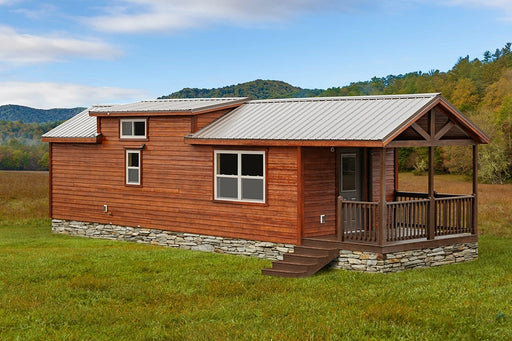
61, 287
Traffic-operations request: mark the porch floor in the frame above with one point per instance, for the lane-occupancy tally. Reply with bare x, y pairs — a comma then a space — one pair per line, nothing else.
395, 246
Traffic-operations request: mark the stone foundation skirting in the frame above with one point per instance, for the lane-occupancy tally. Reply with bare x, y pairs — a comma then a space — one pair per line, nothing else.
348, 260
405, 260
189, 241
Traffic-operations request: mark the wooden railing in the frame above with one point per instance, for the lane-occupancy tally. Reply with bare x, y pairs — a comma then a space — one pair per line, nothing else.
407, 218
454, 215
359, 220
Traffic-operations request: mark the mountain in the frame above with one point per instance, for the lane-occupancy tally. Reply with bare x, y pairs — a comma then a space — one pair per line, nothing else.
258, 89
11, 112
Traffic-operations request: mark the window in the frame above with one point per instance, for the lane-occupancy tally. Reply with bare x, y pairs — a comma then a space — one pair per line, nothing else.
133, 167
133, 129
240, 176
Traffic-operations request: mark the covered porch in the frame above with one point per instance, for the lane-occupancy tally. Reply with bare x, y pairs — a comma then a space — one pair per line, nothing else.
411, 219
422, 219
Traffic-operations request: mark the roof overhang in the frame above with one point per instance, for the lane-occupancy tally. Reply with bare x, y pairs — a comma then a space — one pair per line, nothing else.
459, 120
92, 140
285, 143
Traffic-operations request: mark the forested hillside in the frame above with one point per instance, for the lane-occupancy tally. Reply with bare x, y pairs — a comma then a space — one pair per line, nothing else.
481, 88
11, 112
21, 147
258, 89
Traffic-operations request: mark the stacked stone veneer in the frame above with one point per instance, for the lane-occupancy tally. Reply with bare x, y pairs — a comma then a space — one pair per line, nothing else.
404, 260
189, 241
348, 260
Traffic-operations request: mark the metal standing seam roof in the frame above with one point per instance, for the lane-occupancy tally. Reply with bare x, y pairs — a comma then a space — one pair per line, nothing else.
171, 105
359, 118
79, 126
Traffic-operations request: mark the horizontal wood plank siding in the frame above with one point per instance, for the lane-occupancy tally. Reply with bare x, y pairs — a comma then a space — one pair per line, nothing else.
177, 185
319, 191
204, 119
390, 175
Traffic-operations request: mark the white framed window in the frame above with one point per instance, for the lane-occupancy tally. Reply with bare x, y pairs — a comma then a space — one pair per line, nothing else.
133, 128
133, 164
239, 176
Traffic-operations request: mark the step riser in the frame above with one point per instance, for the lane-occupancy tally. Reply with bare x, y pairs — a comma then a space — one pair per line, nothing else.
320, 243
308, 250
292, 266
269, 272
298, 258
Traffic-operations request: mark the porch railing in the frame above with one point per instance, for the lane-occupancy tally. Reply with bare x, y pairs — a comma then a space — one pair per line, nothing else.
407, 218
454, 215
359, 220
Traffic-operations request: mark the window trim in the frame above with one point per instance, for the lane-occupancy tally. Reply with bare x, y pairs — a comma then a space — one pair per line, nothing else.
239, 176
139, 168
133, 120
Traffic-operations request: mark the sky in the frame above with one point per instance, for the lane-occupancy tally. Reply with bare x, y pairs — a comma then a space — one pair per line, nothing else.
61, 53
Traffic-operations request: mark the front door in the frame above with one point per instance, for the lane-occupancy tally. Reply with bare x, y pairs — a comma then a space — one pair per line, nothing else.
350, 180
350, 188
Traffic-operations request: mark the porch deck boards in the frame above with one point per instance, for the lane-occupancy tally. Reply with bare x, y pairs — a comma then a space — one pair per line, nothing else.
396, 246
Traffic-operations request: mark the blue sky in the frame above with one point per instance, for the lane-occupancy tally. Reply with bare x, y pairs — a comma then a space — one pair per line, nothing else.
62, 53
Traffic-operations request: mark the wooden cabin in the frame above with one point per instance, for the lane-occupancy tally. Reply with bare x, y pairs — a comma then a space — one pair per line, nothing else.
316, 176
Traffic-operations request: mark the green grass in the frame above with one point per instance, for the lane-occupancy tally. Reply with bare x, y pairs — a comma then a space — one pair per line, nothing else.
69, 288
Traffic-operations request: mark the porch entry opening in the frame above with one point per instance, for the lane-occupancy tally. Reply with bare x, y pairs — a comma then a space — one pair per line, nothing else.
350, 179
350, 184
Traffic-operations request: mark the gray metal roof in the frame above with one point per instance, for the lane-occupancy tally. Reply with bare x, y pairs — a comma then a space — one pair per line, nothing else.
170, 105
79, 126
371, 118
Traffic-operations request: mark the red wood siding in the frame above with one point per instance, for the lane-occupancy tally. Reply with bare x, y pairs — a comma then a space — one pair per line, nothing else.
319, 176
390, 174
177, 185
204, 119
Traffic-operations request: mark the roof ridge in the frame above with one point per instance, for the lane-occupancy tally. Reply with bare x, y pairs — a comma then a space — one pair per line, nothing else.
345, 98
209, 99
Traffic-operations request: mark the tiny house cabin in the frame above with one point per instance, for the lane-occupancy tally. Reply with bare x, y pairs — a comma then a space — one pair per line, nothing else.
306, 181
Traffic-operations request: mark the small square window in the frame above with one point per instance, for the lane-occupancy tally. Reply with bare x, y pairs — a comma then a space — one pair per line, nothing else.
133, 128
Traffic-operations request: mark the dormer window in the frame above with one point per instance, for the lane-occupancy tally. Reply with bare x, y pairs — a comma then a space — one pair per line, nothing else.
135, 128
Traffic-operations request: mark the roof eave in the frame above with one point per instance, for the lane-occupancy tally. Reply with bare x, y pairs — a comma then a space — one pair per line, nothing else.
54, 139
286, 143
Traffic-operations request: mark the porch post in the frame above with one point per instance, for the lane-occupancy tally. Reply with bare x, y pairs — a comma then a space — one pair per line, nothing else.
382, 231
475, 189
431, 220
339, 218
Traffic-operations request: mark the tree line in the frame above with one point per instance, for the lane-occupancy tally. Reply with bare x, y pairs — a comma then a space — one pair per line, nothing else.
21, 147
480, 88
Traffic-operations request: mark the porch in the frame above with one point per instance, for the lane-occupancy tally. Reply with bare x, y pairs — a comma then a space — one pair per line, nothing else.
411, 219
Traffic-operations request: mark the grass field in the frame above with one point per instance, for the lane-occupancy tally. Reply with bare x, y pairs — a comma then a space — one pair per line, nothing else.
68, 288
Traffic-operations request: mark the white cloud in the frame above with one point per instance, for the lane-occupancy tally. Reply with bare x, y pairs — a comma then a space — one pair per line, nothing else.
170, 15
59, 95
21, 48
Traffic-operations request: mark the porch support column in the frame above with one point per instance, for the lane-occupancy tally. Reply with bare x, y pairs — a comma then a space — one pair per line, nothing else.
431, 219
339, 218
383, 213
475, 189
